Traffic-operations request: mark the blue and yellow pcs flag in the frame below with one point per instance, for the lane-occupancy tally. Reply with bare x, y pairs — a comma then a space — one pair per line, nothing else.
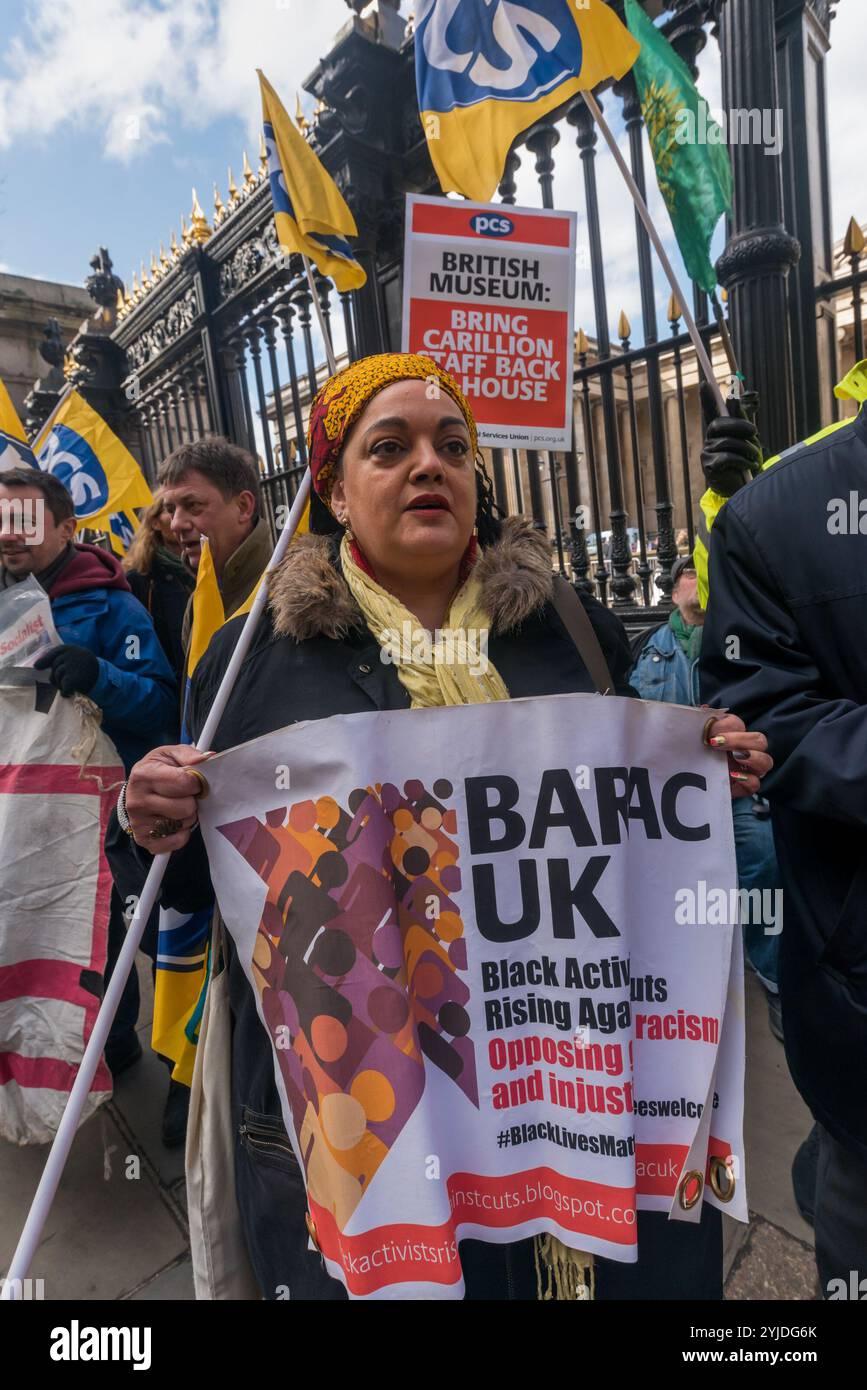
106, 483
15, 452
180, 985
485, 73
310, 214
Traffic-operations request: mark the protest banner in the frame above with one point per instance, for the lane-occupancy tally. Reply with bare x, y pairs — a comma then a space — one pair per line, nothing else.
460, 928
488, 292
54, 900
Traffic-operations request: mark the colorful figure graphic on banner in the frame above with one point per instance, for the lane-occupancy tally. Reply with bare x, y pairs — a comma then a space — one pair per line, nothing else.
360, 963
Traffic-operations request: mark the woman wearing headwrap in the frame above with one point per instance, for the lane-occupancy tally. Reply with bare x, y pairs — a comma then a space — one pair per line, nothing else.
415, 547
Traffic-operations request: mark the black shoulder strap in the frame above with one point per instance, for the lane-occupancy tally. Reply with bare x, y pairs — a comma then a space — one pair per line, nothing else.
573, 616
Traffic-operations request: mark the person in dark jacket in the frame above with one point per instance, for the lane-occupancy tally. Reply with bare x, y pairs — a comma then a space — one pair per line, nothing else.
666, 669
110, 653
160, 579
394, 463
788, 602
210, 487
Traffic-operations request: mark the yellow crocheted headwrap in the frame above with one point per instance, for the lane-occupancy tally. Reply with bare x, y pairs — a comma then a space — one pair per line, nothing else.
343, 397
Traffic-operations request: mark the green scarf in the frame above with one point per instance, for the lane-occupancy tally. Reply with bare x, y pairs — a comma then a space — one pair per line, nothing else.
688, 636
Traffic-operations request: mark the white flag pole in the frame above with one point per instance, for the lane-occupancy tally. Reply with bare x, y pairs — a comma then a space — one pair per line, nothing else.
42, 433
644, 214
55, 1163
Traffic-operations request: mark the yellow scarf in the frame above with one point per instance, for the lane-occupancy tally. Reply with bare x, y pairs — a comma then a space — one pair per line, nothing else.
454, 670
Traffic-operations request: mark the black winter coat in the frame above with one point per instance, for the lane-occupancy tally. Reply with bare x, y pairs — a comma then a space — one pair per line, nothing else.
165, 593
321, 666
313, 657
792, 592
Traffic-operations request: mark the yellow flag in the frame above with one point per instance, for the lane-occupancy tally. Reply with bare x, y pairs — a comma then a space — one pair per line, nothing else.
310, 214
208, 612
79, 448
485, 73
15, 452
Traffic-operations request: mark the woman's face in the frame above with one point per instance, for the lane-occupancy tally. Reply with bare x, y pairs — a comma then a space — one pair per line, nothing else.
407, 481
163, 527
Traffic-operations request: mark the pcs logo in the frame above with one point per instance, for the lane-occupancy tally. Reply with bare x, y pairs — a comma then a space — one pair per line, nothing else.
491, 224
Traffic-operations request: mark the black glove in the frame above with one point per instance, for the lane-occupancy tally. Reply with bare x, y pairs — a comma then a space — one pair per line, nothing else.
74, 670
732, 452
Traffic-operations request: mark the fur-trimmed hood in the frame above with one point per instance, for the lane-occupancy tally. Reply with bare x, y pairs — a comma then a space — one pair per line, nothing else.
309, 597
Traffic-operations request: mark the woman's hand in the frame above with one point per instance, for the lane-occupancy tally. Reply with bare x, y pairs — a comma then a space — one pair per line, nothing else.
159, 789
747, 758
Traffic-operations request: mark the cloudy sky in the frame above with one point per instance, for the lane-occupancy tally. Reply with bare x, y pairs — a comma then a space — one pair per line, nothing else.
112, 110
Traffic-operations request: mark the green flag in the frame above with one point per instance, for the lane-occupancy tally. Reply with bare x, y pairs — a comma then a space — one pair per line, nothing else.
692, 162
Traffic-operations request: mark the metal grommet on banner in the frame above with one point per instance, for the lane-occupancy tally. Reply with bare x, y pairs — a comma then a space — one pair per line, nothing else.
311, 1229
724, 1190
200, 777
706, 731
688, 1200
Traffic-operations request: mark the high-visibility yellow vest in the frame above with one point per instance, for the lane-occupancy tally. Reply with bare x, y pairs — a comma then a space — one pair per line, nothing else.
853, 387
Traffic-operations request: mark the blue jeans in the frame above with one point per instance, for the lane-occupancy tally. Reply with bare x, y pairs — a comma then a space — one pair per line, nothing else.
757, 868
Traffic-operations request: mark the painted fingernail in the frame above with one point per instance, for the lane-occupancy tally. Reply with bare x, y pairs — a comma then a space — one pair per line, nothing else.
741, 757
718, 741
740, 776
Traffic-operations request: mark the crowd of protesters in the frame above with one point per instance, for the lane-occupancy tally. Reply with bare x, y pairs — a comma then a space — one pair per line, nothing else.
795, 683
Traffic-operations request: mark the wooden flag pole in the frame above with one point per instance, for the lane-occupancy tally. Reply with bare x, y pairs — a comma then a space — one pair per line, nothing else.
329, 350
59, 1152
644, 214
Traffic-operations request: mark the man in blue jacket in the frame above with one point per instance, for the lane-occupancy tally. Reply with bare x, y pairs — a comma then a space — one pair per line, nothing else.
109, 652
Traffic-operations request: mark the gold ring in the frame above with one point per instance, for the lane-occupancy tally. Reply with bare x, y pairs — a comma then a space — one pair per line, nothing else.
718, 1166
200, 777
164, 826
686, 1201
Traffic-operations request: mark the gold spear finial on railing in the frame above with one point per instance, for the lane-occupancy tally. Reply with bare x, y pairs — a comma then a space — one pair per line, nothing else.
146, 282
219, 209
174, 249
300, 119
853, 242
120, 304
136, 292
234, 195
164, 260
673, 308
249, 176
156, 269
624, 327
582, 343
185, 232
200, 229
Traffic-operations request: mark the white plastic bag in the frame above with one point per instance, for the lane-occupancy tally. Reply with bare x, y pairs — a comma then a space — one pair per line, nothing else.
27, 628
